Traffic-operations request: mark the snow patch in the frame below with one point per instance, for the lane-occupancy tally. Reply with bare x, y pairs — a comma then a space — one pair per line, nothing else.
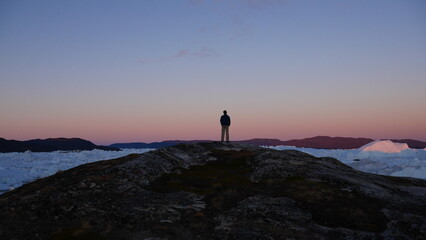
386, 146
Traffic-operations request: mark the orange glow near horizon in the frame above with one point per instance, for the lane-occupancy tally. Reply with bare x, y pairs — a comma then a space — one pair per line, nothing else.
114, 130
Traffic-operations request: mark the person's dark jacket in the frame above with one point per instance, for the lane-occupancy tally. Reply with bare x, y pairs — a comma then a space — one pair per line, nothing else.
225, 120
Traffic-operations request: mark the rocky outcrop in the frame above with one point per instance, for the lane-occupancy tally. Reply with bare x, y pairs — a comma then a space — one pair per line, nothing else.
216, 191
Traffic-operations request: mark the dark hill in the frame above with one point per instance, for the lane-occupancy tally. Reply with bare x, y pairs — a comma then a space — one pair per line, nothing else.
411, 143
263, 142
314, 142
156, 145
14, 146
329, 142
215, 191
49, 145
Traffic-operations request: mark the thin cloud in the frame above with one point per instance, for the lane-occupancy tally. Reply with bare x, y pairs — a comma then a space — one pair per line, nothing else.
204, 52
250, 3
240, 26
236, 12
195, 2
211, 28
259, 4
181, 53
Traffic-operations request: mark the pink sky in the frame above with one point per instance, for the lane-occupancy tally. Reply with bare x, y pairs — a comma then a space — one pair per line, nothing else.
104, 128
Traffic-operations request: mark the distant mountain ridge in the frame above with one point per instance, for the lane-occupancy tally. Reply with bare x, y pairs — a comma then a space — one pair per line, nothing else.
50, 145
411, 143
321, 142
325, 142
162, 144
71, 144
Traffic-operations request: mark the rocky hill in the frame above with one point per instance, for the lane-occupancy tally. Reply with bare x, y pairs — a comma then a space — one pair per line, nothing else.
50, 144
216, 191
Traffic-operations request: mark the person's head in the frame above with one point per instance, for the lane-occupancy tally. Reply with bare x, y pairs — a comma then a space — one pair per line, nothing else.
225, 112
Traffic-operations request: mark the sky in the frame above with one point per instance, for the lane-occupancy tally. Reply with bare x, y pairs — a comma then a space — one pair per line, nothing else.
127, 71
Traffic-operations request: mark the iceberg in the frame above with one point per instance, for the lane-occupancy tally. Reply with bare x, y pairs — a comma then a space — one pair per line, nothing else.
385, 146
404, 163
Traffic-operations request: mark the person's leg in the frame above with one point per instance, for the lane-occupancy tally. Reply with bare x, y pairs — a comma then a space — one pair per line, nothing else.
227, 134
223, 134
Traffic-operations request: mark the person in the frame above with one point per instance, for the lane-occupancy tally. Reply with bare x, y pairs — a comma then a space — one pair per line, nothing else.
225, 121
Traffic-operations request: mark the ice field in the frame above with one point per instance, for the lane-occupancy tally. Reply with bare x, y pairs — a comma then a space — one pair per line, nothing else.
19, 168
380, 157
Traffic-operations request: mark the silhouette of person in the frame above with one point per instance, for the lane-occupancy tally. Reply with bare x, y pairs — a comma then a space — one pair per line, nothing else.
225, 121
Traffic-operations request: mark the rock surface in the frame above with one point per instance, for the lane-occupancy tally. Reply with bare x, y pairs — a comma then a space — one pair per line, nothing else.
216, 191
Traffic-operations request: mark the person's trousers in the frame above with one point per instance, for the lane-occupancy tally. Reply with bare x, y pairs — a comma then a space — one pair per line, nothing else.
225, 131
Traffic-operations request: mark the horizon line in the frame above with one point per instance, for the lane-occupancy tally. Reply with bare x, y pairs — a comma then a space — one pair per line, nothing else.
101, 143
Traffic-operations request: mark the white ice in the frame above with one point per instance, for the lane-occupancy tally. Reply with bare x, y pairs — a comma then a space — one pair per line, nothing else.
19, 168
386, 146
384, 157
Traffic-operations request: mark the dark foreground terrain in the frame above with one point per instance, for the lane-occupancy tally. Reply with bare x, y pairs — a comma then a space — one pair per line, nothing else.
216, 191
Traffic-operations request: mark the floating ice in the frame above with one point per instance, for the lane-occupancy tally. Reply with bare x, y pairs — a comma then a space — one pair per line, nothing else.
406, 163
19, 168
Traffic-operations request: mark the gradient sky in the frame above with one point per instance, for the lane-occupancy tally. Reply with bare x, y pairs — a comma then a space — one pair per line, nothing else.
123, 71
